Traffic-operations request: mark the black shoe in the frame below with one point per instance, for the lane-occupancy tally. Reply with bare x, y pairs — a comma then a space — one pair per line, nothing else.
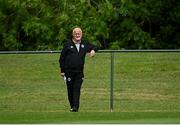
73, 110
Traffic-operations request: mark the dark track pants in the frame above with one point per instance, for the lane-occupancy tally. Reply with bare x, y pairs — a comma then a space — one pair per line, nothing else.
74, 81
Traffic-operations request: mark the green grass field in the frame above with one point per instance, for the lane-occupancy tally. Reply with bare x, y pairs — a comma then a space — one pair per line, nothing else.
146, 89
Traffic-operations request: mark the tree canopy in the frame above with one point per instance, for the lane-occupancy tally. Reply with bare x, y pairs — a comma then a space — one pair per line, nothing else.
109, 24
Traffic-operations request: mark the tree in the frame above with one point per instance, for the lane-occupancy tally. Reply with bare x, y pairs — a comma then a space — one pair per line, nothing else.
115, 24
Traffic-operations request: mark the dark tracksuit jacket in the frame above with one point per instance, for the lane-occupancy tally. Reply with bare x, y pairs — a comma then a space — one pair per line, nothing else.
72, 64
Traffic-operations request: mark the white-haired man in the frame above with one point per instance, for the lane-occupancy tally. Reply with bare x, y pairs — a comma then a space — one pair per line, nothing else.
72, 61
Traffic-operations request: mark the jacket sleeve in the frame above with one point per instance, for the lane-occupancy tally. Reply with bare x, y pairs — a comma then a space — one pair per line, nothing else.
91, 47
62, 59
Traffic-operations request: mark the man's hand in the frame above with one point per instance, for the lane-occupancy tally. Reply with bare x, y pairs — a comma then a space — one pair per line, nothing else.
64, 77
92, 53
62, 73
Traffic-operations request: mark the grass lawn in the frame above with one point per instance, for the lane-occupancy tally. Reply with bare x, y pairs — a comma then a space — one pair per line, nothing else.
89, 117
146, 89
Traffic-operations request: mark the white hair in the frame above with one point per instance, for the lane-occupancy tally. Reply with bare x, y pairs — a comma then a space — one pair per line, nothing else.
77, 29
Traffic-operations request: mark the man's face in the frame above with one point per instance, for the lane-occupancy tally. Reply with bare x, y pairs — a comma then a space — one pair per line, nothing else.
77, 34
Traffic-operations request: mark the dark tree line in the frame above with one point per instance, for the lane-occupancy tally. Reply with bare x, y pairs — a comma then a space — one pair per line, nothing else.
110, 24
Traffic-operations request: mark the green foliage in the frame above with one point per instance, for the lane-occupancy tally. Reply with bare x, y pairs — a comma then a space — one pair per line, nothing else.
129, 24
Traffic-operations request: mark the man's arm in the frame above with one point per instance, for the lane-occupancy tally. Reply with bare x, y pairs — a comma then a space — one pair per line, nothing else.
62, 61
92, 49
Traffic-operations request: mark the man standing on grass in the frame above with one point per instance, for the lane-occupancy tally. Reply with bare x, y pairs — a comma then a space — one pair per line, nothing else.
71, 61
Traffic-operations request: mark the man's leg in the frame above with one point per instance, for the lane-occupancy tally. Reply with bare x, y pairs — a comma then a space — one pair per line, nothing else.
69, 82
77, 90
